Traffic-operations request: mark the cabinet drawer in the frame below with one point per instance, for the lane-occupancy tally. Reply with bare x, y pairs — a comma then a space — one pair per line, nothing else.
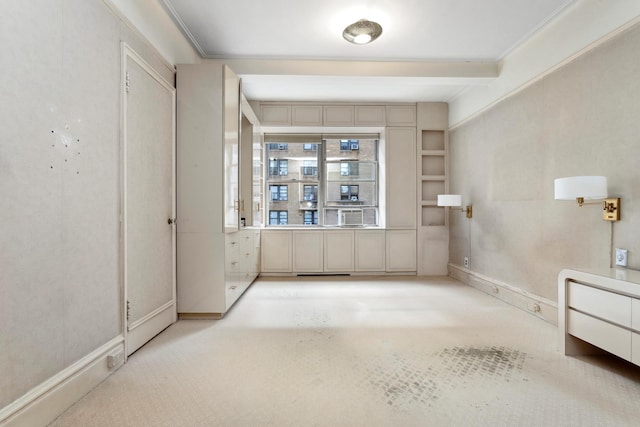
635, 314
608, 337
599, 303
635, 348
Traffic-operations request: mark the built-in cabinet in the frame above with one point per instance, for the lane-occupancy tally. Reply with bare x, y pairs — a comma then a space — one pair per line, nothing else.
599, 308
370, 250
307, 250
299, 251
401, 250
339, 251
217, 258
356, 250
277, 251
401, 177
336, 115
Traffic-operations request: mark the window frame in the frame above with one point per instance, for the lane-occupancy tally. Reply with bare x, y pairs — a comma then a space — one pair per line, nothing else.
306, 201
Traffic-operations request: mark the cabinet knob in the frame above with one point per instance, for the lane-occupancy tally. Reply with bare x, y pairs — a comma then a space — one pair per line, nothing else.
171, 221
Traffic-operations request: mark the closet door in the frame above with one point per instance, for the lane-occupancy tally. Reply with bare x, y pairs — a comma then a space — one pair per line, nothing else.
148, 202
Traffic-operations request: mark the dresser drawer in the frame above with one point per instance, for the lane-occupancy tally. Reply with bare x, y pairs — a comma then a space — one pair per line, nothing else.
599, 303
608, 337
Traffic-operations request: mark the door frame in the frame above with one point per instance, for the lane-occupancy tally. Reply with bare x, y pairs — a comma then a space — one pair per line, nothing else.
127, 53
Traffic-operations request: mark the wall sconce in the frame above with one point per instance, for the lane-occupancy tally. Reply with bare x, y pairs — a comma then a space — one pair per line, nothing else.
581, 188
454, 201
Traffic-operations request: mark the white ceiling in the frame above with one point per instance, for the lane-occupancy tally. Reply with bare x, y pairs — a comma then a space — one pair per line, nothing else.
293, 49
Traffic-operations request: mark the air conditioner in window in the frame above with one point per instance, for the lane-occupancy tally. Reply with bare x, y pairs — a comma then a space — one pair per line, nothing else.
350, 217
355, 146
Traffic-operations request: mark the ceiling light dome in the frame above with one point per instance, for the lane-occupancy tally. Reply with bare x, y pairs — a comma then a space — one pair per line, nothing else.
362, 32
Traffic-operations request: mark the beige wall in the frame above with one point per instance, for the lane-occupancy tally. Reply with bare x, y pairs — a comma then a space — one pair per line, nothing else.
60, 169
583, 119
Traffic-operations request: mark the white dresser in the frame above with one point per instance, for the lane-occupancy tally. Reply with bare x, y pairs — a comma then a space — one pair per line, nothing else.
599, 309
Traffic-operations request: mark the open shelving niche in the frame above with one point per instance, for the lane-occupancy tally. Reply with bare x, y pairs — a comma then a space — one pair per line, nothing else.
433, 173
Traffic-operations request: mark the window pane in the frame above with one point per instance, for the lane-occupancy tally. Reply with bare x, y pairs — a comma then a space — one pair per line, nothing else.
292, 166
283, 167
351, 182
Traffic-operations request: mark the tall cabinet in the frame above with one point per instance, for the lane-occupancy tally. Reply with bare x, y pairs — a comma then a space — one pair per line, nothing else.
217, 256
401, 189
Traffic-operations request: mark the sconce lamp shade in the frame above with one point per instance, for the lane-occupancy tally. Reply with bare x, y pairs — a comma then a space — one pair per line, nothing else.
585, 187
449, 200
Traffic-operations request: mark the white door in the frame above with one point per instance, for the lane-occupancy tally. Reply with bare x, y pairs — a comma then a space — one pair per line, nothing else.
149, 201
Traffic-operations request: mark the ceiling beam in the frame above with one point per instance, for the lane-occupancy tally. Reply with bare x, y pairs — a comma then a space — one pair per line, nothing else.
431, 69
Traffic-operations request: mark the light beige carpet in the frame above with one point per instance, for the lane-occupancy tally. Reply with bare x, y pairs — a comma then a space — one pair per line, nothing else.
399, 351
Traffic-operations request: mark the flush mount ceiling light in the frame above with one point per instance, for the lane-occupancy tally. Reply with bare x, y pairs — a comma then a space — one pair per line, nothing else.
362, 32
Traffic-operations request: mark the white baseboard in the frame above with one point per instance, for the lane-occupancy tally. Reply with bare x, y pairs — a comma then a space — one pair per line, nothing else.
51, 398
536, 305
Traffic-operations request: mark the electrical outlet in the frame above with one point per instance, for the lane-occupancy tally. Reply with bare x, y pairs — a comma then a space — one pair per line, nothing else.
466, 262
115, 359
621, 257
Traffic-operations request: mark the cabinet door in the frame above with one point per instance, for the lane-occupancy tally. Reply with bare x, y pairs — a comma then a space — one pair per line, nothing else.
307, 251
401, 250
401, 177
401, 115
275, 115
370, 115
338, 115
338, 251
231, 150
306, 115
370, 250
276, 251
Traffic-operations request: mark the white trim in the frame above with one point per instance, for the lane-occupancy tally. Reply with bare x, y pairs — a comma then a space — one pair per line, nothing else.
51, 398
183, 27
154, 313
154, 317
122, 17
547, 309
536, 29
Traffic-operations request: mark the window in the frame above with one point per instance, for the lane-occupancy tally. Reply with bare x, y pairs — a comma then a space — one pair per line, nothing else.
278, 217
349, 144
278, 167
309, 168
349, 168
279, 192
349, 192
316, 181
310, 193
310, 217
292, 184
